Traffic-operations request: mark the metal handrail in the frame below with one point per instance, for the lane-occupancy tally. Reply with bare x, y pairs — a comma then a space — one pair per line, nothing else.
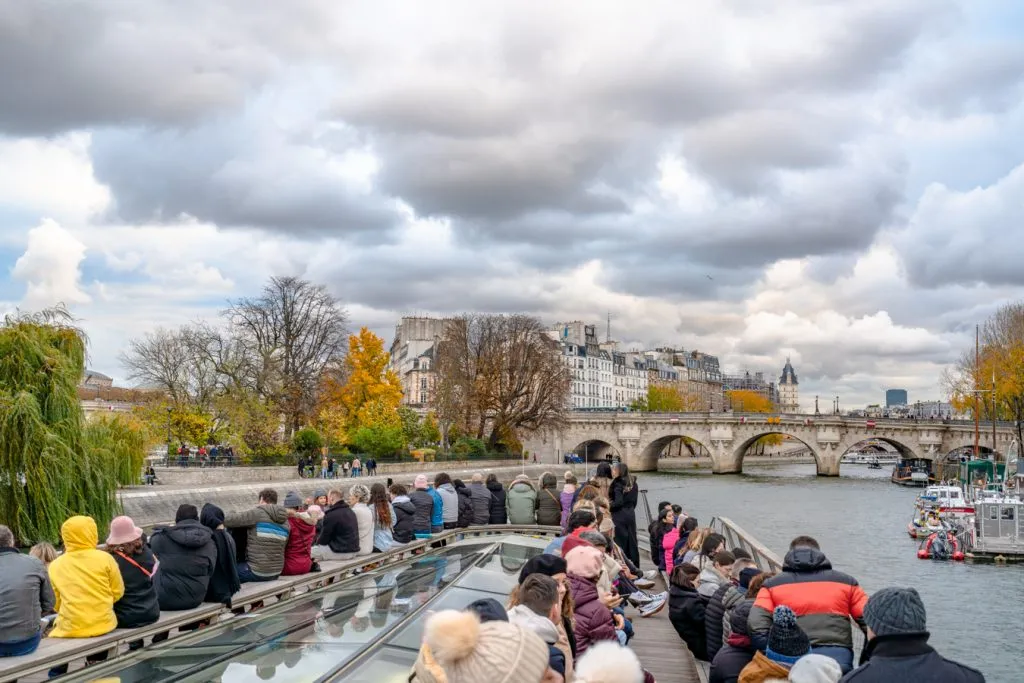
70, 650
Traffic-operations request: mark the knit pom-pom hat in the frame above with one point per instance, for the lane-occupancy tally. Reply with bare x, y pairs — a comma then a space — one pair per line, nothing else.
787, 642
469, 651
608, 662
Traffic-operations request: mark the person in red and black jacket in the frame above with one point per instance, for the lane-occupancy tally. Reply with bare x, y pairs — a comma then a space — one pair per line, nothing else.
823, 599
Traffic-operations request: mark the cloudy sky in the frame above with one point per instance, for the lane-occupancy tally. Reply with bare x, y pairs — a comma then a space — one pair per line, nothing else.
840, 182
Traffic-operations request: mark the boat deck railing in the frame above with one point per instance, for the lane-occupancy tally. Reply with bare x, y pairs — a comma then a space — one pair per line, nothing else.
54, 652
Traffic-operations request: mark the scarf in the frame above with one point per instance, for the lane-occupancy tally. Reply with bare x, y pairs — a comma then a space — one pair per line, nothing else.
212, 517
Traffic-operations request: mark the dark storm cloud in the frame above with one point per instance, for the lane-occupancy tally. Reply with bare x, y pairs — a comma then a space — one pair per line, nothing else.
69, 65
237, 174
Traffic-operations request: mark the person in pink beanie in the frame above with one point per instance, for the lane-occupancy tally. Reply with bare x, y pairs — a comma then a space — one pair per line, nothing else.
594, 622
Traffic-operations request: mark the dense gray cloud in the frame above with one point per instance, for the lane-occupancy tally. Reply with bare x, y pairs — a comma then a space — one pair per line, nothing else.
747, 178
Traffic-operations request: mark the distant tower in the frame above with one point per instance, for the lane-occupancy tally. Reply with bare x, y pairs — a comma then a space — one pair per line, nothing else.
789, 389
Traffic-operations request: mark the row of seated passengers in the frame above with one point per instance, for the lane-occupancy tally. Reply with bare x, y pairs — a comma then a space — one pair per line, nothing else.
796, 625
91, 592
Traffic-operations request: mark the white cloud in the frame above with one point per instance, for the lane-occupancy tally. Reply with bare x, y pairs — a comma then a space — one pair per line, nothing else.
50, 267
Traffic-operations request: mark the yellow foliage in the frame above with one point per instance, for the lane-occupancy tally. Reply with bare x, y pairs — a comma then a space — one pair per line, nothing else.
744, 401
667, 398
370, 394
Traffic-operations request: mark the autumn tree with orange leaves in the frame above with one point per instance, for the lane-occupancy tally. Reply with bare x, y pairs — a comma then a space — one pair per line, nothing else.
365, 395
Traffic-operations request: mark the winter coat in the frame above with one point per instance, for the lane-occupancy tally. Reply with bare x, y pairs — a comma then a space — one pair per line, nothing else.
341, 529
437, 517
686, 612
824, 600
724, 599
593, 619
731, 659
364, 527
25, 593
449, 503
498, 513
405, 519
86, 583
763, 670
465, 507
656, 532
521, 502
526, 618
139, 605
549, 506
301, 535
481, 503
668, 542
224, 582
266, 536
187, 556
424, 504
710, 581
908, 657
566, 498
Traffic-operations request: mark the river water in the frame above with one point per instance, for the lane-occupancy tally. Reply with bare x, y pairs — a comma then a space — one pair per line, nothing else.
975, 611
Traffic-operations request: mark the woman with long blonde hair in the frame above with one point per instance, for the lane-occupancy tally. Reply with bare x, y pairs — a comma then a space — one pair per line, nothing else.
694, 544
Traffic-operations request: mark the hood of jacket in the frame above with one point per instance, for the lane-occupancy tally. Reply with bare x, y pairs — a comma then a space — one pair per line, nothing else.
211, 516
583, 590
803, 560
569, 488
277, 514
404, 503
301, 520
521, 486
495, 486
79, 533
188, 533
525, 617
446, 487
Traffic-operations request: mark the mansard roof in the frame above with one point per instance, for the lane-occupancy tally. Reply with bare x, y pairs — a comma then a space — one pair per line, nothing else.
788, 374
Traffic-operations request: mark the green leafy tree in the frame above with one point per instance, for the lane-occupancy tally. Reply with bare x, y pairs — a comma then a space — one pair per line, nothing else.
307, 441
412, 427
379, 440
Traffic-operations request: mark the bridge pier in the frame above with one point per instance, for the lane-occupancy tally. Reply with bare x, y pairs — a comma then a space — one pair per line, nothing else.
827, 461
725, 459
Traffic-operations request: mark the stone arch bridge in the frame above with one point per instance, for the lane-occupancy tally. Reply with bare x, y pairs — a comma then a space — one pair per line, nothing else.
638, 438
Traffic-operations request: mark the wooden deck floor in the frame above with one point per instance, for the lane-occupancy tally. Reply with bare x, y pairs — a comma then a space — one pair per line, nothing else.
660, 649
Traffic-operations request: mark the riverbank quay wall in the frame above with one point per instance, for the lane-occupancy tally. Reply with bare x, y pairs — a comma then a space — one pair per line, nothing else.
639, 438
154, 505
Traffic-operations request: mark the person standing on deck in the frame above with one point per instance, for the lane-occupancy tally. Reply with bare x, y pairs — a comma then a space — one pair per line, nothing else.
823, 599
622, 495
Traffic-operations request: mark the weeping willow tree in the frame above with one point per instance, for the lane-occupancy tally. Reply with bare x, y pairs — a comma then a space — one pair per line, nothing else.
52, 463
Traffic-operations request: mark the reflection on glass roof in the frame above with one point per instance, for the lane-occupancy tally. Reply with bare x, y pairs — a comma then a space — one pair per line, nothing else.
357, 630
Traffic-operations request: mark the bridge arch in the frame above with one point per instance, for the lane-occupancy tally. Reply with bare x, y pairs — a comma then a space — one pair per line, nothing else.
595, 449
901, 448
651, 452
740, 451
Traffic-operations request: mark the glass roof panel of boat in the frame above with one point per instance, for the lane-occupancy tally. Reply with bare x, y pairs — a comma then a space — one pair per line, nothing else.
363, 628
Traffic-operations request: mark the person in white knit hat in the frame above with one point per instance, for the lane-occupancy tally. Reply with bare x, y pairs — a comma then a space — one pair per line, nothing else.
458, 648
609, 662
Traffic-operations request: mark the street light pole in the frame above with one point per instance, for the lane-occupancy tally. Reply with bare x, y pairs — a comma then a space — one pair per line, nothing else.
816, 406
168, 430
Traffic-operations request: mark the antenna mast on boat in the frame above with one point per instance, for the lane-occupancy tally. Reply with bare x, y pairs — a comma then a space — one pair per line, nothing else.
977, 370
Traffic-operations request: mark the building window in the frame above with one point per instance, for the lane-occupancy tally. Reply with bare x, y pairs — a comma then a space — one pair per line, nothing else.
423, 384
423, 397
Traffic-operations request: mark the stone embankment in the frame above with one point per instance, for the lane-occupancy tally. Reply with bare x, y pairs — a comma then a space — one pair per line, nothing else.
153, 505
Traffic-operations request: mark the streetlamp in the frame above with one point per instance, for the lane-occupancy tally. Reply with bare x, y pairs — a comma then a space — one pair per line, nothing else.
168, 430
816, 412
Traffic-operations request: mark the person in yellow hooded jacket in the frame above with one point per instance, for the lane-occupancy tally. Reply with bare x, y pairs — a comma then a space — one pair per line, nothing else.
86, 583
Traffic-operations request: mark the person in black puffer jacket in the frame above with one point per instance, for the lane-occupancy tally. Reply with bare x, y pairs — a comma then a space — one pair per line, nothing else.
187, 557
224, 582
465, 504
724, 599
139, 605
405, 514
424, 502
498, 513
549, 503
686, 610
737, 651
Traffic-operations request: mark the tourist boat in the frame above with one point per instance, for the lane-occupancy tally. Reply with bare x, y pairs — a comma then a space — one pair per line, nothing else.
924, 524
873, 464
913, 472
947, 499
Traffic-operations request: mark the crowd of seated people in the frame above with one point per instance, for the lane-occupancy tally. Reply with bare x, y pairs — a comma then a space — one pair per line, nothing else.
569, 619
796, 625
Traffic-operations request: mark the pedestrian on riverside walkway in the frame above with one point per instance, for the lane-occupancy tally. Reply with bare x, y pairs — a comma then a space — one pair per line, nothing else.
26, 596
355, 467
898, 648
826, 601
623, 498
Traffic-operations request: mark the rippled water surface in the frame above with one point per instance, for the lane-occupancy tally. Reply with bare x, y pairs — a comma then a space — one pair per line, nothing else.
975, 611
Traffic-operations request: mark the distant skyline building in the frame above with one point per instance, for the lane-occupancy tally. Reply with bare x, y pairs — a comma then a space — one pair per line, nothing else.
789, 389
895, 397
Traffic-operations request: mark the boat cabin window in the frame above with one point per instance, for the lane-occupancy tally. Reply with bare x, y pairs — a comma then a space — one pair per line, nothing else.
993, 512
1007, 513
